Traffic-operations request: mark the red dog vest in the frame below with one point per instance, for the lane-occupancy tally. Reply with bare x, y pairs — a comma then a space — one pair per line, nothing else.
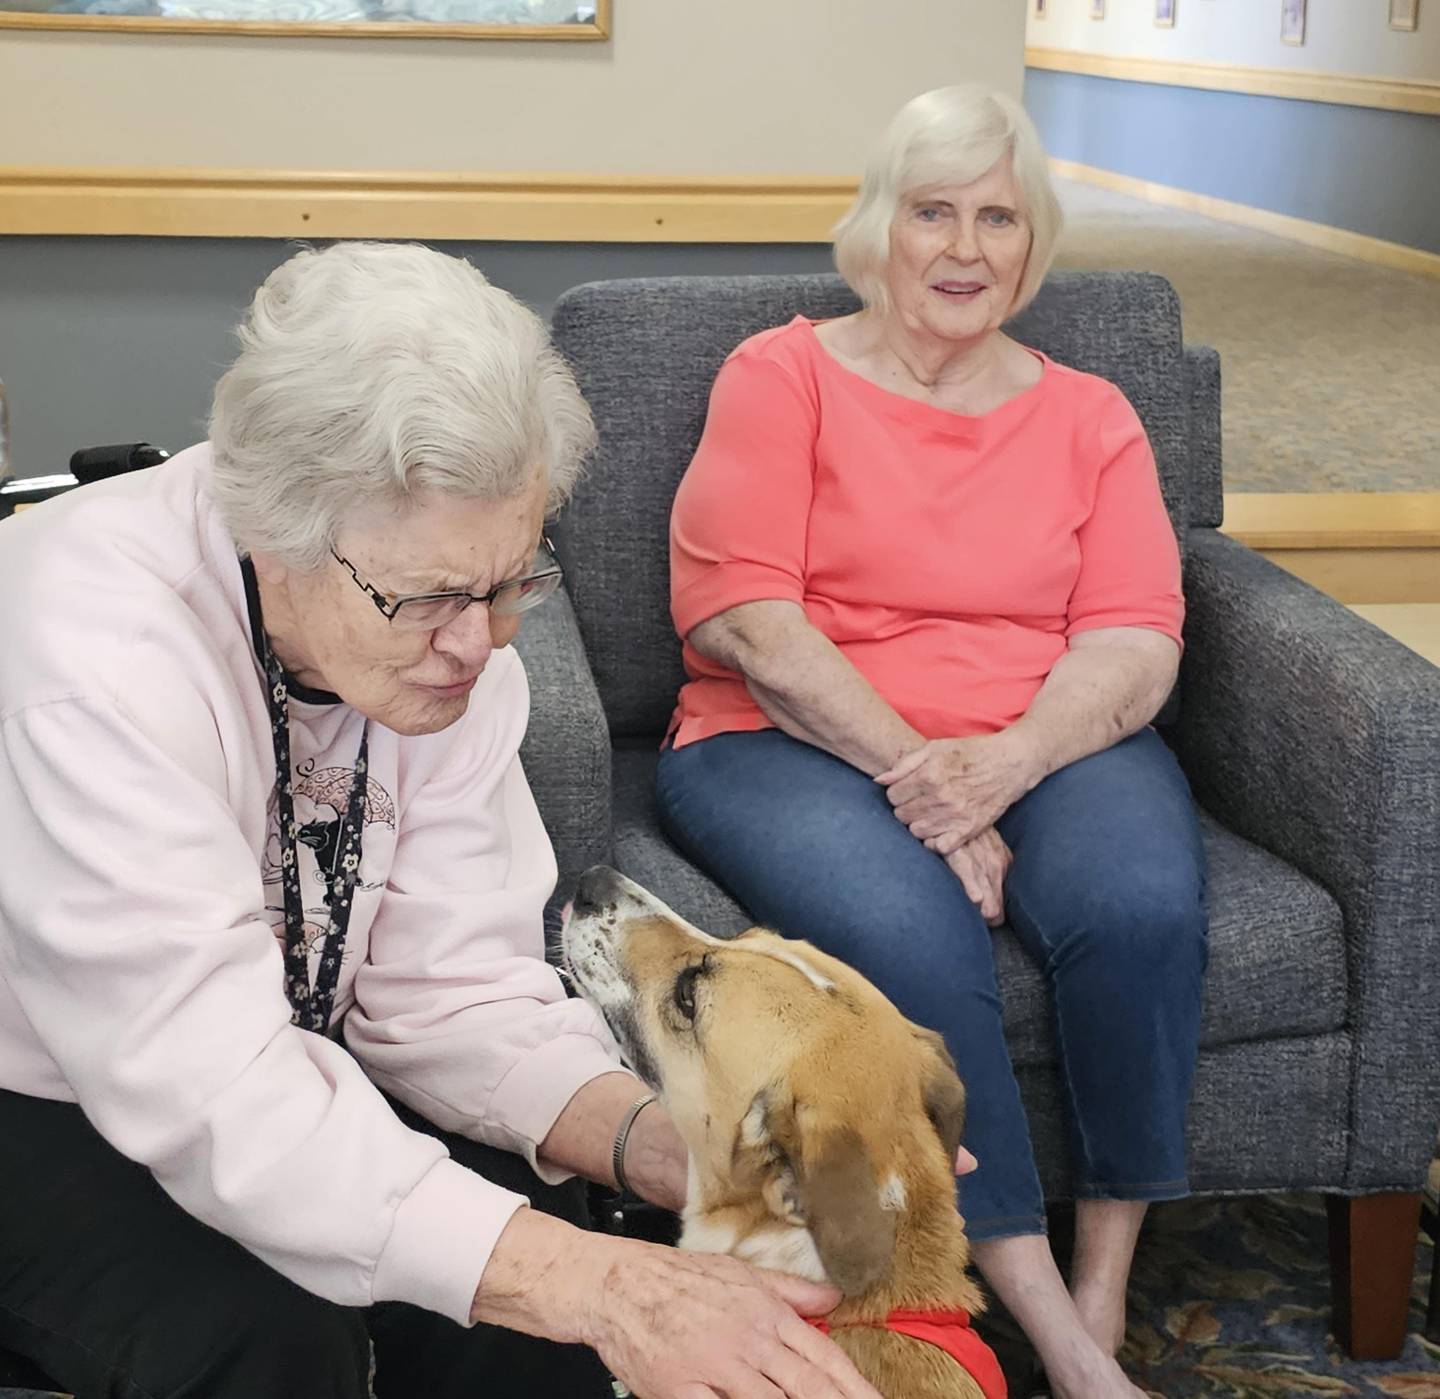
951, 1331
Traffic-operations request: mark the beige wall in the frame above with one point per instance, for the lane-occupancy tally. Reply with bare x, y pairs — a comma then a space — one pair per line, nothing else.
684, 86
1341, 36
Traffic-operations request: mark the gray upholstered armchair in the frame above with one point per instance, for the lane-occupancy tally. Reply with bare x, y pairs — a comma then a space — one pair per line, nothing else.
1310, 739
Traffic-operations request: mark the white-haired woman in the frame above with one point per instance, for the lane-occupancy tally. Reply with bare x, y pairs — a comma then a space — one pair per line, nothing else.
280, 1058
924, 572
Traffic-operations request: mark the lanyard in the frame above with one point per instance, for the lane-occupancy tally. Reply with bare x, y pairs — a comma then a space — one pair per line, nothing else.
312, 1008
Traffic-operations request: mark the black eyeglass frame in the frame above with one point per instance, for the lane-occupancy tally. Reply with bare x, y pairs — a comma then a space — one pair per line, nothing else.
389, 607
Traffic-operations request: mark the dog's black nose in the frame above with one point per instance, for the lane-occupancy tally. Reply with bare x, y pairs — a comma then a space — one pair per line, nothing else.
599, 887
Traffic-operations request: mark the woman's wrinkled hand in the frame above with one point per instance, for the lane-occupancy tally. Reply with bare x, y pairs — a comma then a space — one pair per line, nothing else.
981, 865
951, 789
675, 1325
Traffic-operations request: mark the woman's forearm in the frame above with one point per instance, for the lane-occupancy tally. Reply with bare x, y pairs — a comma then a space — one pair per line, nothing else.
822, 709
804, 685
1107, 686
581, 1138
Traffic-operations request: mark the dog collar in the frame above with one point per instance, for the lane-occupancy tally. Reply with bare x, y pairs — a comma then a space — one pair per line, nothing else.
950, 1330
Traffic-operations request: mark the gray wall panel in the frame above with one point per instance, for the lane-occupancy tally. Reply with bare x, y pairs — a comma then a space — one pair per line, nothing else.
1359, 168
120, 339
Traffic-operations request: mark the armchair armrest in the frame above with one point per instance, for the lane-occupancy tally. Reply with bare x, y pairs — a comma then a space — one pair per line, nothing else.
1317, 736
566, 752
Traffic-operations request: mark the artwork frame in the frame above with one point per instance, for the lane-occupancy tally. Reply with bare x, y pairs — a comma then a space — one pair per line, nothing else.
1097, 9
591, 20
1041, 9
1165, 13
1292, 22
1404, 15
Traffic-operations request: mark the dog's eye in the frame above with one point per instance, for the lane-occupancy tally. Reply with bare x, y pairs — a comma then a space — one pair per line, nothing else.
684, 994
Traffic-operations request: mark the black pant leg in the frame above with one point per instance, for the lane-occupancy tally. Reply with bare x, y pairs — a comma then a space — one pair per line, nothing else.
117, 1293
421, 1353
112, 1289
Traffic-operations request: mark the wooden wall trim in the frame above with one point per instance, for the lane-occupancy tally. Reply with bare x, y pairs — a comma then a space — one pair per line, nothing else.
523, 207
528, 207
1350, 90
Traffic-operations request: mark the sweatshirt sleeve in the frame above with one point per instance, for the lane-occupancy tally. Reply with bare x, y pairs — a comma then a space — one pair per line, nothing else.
1129, 561
133, 944
741, 517
457, 1012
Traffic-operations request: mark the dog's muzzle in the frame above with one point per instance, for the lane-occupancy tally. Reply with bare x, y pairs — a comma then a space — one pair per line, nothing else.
591, 938
599, 891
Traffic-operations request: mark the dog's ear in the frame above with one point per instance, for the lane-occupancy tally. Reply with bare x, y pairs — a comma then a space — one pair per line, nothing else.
759, 1161
943, 1094
853, 1231
826, 1181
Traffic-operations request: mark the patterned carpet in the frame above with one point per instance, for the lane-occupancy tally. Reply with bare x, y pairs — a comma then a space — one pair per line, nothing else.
1331, 365
1231, 1297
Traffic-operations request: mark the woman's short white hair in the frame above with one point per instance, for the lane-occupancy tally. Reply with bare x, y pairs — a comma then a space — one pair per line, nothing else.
371, 371
950, 135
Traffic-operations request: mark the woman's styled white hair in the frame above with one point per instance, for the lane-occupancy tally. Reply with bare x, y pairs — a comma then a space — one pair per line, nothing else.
952, 134
371, 371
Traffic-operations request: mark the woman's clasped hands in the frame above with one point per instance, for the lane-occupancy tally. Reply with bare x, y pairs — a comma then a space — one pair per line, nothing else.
949, 792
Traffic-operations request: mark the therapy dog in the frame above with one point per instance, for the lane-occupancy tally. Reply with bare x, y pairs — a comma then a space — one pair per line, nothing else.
822, 1125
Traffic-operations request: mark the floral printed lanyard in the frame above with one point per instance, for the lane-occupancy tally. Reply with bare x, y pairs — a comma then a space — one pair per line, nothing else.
312, 1008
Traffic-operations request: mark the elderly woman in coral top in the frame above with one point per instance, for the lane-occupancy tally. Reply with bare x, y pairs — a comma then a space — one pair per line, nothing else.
931, 602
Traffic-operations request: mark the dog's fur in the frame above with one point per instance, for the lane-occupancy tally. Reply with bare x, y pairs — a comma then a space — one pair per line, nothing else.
822, 1125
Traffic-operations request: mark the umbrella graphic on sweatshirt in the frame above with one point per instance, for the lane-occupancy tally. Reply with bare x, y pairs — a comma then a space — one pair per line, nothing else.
331, 787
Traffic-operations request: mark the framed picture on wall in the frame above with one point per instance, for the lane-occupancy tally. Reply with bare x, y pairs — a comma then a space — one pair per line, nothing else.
1165, 13
429, 19
1042, 8
1405, 14
1292, 21
1097, 9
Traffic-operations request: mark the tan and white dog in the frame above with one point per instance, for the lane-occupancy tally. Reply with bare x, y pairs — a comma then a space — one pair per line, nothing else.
822, 1125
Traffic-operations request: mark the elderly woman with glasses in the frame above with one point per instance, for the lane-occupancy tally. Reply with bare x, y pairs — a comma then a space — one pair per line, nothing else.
930, 600
281, 1063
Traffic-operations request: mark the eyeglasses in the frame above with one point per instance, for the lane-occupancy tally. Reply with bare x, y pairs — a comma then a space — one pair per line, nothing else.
426, 611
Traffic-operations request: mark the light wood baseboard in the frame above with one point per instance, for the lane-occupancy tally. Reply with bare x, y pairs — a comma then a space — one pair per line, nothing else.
1325, 520
1420, 95
1362, 548
1365, 575
522, 207
1315, 235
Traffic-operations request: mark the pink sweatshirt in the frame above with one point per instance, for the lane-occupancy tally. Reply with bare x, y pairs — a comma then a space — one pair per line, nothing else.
141, 919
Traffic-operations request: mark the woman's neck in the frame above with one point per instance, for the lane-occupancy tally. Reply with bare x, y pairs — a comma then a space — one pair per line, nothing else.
937, 366
278, 614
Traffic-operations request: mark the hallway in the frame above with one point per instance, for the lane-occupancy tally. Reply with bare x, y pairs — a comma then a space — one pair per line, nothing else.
1331, 365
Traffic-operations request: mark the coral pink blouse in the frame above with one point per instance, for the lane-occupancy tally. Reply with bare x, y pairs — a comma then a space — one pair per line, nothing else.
950, 558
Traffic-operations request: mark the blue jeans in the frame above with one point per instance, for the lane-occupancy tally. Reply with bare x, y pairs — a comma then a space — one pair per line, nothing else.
1106, 893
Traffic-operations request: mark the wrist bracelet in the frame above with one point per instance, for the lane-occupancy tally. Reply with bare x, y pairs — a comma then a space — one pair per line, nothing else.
617, 1152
